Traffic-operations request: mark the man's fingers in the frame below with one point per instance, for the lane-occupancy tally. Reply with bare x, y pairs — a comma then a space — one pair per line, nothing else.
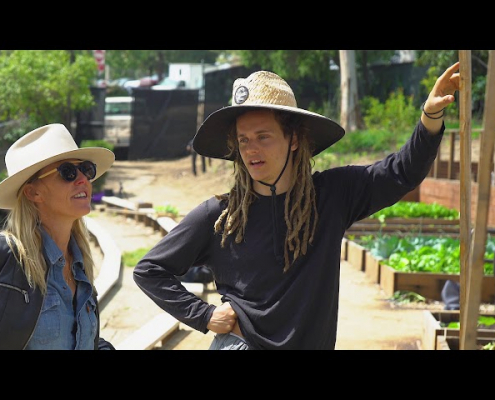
448, 74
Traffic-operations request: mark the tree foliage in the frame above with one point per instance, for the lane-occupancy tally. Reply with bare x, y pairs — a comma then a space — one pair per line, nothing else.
440, 60
45, 86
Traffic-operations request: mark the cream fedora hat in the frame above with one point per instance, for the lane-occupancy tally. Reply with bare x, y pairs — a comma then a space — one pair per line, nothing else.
261, 89
39, 148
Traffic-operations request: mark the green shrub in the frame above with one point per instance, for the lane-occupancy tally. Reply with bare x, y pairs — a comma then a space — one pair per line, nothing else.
131, 258
397, 115
168, 209
97, 143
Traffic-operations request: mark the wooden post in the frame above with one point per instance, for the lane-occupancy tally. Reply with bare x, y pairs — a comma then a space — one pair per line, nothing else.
465, 183
450, 168
436, 165
469, 318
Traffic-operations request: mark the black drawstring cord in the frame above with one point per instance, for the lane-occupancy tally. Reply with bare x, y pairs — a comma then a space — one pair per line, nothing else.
273, 189
275, 224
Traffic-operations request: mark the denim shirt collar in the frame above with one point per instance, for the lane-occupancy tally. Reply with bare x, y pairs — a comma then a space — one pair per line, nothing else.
53, 253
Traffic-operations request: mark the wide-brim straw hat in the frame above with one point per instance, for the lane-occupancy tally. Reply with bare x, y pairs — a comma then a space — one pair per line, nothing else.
41, 147
261, 89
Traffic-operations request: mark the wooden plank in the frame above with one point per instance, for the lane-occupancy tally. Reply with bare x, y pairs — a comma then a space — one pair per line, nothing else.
150, 334
454, 343
387, 280
450, 169
343, 249
112, 258
124, 203
431, 327
410, 221
404, 227
356, 255
166, 223
372, 268
358, 234
484, 187
442, 343
436, 165
135, 214
465, 182
435, 326
428, 284
197, 288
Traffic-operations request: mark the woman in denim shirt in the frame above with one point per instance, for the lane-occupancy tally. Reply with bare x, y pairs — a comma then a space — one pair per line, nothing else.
47, 296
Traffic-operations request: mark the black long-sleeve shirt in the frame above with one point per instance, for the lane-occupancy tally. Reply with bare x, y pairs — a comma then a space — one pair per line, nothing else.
276, 310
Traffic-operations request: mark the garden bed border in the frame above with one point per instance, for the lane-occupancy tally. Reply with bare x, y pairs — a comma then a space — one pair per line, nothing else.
428, 285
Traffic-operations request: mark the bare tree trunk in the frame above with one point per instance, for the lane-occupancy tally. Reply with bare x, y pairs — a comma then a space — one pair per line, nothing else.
160, 67
350, 117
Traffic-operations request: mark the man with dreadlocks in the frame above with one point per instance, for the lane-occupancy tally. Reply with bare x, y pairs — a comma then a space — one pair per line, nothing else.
273, 242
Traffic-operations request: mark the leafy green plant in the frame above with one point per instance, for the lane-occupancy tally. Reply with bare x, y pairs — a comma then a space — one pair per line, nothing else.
396, 115
131, 258
422, 253
97, 143
484, 321
167, 209
489, 346
409, 209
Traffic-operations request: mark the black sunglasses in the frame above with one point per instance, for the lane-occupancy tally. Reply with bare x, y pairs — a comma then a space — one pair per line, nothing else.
68, 171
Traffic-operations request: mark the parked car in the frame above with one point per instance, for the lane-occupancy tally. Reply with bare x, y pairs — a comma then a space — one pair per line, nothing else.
118, 120
146, 81
169, 84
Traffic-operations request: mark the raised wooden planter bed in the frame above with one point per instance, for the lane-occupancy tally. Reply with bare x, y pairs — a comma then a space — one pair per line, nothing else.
343, 249
436, 334
372, 267
356, 255
405, 226
453, 342
361, 259
428, 285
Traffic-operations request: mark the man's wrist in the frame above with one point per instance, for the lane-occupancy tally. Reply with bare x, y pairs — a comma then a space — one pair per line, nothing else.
432, 115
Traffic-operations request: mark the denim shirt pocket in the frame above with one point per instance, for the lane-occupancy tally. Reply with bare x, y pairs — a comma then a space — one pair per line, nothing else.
48, 327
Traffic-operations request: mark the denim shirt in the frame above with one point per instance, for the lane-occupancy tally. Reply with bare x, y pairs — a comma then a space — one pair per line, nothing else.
65, 323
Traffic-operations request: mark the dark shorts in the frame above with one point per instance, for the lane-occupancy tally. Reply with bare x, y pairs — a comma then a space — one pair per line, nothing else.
228, 341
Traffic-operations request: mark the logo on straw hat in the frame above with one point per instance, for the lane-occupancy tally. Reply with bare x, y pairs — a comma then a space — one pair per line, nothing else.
241, 94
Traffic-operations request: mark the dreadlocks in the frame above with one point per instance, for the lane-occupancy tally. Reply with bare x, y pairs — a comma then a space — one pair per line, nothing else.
300, 211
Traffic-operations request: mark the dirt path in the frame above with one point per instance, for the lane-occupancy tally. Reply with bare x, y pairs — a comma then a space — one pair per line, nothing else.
367, 319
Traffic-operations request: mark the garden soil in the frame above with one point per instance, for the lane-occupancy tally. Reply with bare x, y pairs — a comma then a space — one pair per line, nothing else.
368, 320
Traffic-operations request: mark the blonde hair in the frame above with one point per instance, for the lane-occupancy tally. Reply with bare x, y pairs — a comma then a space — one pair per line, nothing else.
300, 211
24, 238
